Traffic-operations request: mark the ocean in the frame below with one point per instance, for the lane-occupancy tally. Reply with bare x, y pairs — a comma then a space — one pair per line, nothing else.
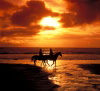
35, 50
76, 70
68, 53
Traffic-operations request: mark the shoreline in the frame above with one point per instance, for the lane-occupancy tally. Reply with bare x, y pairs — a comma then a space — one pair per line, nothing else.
93, 68
25, 77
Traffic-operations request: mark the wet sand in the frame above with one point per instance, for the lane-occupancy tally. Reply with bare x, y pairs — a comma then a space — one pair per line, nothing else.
77, 75
68, 75
93, 68
24, 77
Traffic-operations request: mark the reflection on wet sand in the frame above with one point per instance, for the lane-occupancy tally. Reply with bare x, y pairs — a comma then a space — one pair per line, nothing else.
72, 77
23, 77
50, 67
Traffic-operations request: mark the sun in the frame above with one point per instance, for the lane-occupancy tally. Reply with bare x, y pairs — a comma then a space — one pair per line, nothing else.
50, 22
50, 27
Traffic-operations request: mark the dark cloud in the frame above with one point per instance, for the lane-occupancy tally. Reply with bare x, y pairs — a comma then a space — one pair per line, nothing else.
7, 44
4, 21
19, 32
33, 12
5, 5
7, 8
23, 20
81, 12
68, 20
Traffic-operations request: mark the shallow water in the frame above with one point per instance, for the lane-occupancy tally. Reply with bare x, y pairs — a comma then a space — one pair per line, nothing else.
67, 74
72, 78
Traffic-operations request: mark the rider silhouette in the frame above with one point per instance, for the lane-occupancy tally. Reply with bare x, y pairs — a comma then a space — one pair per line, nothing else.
51, 52
40, 53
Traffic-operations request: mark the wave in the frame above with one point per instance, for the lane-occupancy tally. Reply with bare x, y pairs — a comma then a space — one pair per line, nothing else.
31, 50
64, 57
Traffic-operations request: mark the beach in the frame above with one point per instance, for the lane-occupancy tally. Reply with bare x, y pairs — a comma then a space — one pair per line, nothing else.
24, 77
50, 45
76, 71
66, 75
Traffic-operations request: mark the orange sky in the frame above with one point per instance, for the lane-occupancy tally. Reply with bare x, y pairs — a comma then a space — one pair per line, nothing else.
50, 23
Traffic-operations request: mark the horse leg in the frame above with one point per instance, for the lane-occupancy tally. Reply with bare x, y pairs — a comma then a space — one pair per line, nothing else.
47, 62
55, 63
52, 63
34, 62
43, 61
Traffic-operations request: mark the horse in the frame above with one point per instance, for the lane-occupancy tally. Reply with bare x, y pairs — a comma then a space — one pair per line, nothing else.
54, 57
42, 58
36, 57
46, 57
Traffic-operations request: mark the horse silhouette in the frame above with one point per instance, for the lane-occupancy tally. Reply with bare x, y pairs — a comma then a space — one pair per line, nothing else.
46, 57
54, 57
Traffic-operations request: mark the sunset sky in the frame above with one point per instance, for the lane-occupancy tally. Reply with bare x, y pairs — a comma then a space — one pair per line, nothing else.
50, 23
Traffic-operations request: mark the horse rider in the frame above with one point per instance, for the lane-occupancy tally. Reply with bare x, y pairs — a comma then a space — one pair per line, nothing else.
40, 53
51, 52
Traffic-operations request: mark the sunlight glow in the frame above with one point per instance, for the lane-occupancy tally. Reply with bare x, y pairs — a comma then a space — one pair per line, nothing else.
50, 21
50, 65
50, 62
50, 32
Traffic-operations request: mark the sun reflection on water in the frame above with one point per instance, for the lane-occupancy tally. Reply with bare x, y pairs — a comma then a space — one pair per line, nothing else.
70, 77
50, 66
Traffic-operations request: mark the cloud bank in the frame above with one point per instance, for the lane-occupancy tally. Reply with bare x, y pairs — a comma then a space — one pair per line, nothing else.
81, 12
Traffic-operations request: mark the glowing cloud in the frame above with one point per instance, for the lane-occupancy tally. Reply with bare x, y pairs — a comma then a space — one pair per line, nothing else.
50, 21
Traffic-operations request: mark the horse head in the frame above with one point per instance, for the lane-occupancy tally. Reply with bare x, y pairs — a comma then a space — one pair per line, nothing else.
60, 54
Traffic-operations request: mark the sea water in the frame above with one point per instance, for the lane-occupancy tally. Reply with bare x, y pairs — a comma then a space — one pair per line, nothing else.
67, 72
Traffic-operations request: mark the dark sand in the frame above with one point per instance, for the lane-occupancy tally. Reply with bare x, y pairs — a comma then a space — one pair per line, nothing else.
24, 77
93, 68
